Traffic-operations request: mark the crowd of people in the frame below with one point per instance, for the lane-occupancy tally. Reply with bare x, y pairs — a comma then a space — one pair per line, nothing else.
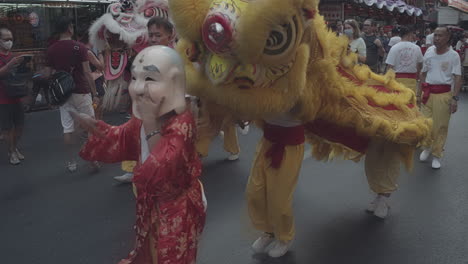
162, 139
373, 43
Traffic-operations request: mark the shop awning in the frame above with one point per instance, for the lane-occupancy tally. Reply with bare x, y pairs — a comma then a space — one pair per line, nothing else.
391, 5
461, 5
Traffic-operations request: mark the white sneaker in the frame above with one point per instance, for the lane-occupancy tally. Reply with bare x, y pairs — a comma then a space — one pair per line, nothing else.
279, 249
245, 130
20, 156
371, 207
382, 207
72, 166
14, 160
126, 178
435, 163
233, 157
425, 155
262, 243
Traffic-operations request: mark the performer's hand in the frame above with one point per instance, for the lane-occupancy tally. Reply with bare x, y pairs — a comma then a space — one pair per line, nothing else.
86, 122
453, 106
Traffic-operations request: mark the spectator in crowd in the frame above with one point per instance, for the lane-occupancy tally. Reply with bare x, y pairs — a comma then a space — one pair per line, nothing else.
11, 109
464, 59
71, 56
461, 41
383, 38
332, 27
96, 63
395, 37
406, 59
441, 71
422, 41
430, 36
339, 27
374, 47
356, 43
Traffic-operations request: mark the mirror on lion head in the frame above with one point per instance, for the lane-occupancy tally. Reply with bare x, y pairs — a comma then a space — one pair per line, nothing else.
159, 72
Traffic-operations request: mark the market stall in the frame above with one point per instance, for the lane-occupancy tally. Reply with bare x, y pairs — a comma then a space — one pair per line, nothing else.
32, 25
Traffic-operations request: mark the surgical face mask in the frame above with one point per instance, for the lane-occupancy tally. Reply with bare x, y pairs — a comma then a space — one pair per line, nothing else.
349, 32
6, 44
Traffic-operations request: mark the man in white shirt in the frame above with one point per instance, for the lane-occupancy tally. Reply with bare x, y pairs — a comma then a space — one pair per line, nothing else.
441, 71
430, 37
395, 37
406, 59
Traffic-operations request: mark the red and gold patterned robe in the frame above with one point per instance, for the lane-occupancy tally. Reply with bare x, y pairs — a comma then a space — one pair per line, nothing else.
170, 213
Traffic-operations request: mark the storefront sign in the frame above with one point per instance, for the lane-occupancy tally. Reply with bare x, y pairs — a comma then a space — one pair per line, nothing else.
332, 11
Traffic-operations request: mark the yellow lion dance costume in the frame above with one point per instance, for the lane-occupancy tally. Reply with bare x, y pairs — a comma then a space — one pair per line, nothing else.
275, 61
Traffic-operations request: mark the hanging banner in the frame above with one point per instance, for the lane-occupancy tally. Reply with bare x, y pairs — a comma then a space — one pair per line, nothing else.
331, 11
461, 5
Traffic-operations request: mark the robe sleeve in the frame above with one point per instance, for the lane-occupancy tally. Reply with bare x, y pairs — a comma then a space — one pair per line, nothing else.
119, 143
165, 169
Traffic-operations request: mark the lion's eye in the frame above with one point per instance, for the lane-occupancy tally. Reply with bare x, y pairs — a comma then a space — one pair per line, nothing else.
281, 38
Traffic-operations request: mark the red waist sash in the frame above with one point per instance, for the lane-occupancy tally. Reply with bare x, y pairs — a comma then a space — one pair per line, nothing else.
407, 75
281, 137
429, 89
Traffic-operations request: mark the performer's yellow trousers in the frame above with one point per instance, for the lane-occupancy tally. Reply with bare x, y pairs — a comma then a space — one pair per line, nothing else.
382, 165
438, 108
209, 126
410, 83
128, 165
270, 191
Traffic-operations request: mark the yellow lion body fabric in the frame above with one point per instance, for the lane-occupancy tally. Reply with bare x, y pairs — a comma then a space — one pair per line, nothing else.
278, 57
275, 61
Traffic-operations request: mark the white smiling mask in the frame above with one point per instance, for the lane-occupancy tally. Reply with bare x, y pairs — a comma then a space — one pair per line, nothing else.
160, 70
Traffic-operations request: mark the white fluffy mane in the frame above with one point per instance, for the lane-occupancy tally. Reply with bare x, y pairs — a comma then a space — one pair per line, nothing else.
108, 21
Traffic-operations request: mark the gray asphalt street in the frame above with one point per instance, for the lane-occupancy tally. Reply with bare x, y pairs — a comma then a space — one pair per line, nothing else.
49, 216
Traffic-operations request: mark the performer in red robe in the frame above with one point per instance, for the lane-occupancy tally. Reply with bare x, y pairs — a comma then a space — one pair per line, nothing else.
170, 205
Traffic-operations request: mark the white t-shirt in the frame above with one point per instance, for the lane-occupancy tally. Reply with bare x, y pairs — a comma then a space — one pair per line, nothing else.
393, 41
404, 57
441, 68
358, 45
430, 39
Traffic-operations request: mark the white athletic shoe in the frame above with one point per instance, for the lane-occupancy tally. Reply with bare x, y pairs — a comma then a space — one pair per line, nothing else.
262, 243
382, 207
72, 166
279, 249
435, 163
126, 178
233, 157
20, 156
425, 155
14, 160
245, 130
372, 205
